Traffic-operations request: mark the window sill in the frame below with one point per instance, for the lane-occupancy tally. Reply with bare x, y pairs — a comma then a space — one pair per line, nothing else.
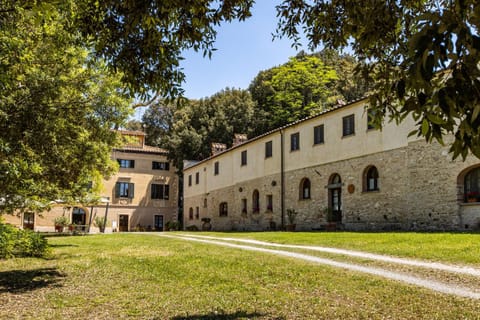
371, 191
318, 144
348, 135
467, 204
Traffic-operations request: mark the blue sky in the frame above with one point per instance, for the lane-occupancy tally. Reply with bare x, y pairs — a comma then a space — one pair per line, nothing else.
243, 49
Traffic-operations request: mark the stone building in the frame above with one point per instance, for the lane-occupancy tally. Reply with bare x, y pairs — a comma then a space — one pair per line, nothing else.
334, 170
142, 195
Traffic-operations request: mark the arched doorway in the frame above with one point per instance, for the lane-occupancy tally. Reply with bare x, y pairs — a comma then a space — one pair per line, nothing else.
79, 216
335, 198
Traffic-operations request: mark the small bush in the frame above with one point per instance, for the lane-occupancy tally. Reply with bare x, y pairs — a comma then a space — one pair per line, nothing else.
21, 243
192, 228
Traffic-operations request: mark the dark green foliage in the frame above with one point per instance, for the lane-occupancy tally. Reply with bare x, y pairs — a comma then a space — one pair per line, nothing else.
305, 85
21, 243
145, 39
422, 58
186, 130
57, 109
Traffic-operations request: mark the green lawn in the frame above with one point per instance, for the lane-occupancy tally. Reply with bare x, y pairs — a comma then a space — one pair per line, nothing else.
133, 276
463, 248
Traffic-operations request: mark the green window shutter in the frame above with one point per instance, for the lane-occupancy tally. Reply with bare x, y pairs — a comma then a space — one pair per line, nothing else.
131, 188
117, 190
167, 190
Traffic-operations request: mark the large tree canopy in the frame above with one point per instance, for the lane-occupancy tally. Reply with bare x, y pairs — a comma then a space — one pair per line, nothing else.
423, 57
57, 108
303, 86
187, 130
145, 39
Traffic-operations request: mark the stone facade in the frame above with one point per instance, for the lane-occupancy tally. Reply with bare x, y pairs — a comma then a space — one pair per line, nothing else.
419, 186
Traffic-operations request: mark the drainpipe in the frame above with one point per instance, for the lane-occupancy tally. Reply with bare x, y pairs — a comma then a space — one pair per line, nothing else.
282, 178
90, 219
106, 213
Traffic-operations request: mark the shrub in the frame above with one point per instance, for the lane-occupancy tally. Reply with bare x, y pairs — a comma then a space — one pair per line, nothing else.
21, 243
192, 228
61, 221
99, 222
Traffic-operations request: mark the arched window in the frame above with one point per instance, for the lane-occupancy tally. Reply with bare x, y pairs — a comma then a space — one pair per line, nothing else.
472, 185
370, 179
223, 209
79, 216
305, 188
190, 213
256, 201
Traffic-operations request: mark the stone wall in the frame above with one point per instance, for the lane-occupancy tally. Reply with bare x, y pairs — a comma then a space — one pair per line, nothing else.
420, 188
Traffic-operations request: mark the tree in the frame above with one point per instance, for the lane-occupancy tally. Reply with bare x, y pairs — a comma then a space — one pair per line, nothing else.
145, 39
421, 56
57, 108
292, 91
187, 129
157, 121
349, 86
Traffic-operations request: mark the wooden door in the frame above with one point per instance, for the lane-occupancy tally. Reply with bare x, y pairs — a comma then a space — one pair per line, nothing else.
123, 222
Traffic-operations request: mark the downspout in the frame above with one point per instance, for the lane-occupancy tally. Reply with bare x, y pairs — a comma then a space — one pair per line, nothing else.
105, 218
282, 178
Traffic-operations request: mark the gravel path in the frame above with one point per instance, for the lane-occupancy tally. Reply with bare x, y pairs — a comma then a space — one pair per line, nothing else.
388, 274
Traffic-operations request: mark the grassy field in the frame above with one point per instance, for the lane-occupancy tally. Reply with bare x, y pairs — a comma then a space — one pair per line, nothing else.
446, 247
134, 276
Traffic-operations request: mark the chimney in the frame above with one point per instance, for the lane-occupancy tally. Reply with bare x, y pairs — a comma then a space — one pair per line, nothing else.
239, 138
218, 147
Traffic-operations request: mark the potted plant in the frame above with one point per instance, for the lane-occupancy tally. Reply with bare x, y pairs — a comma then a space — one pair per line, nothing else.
99, 222
171, 226
60, 223
291, 215
331, 224
206, 226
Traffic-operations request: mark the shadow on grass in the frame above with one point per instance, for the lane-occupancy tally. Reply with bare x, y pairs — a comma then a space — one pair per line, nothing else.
230, 316
21, 281
62, 245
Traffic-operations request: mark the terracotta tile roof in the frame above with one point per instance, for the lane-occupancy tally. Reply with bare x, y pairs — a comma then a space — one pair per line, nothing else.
132, 132
144, 149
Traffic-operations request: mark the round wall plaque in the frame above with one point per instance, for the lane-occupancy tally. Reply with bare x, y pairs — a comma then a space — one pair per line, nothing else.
351, 188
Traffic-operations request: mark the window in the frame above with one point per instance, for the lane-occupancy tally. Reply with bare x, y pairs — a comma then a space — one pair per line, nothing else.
370, 179
197, 177
268, 149
318, 134
190, 180
124, 190
244, 206
156, 165
205, 202
370, 117
190, 214
126, 163
256, 201
348, 125
223, 209
216, 168
244, 158
295, 141
160, 191
269, 202
197, 213
472, 186
305, 188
